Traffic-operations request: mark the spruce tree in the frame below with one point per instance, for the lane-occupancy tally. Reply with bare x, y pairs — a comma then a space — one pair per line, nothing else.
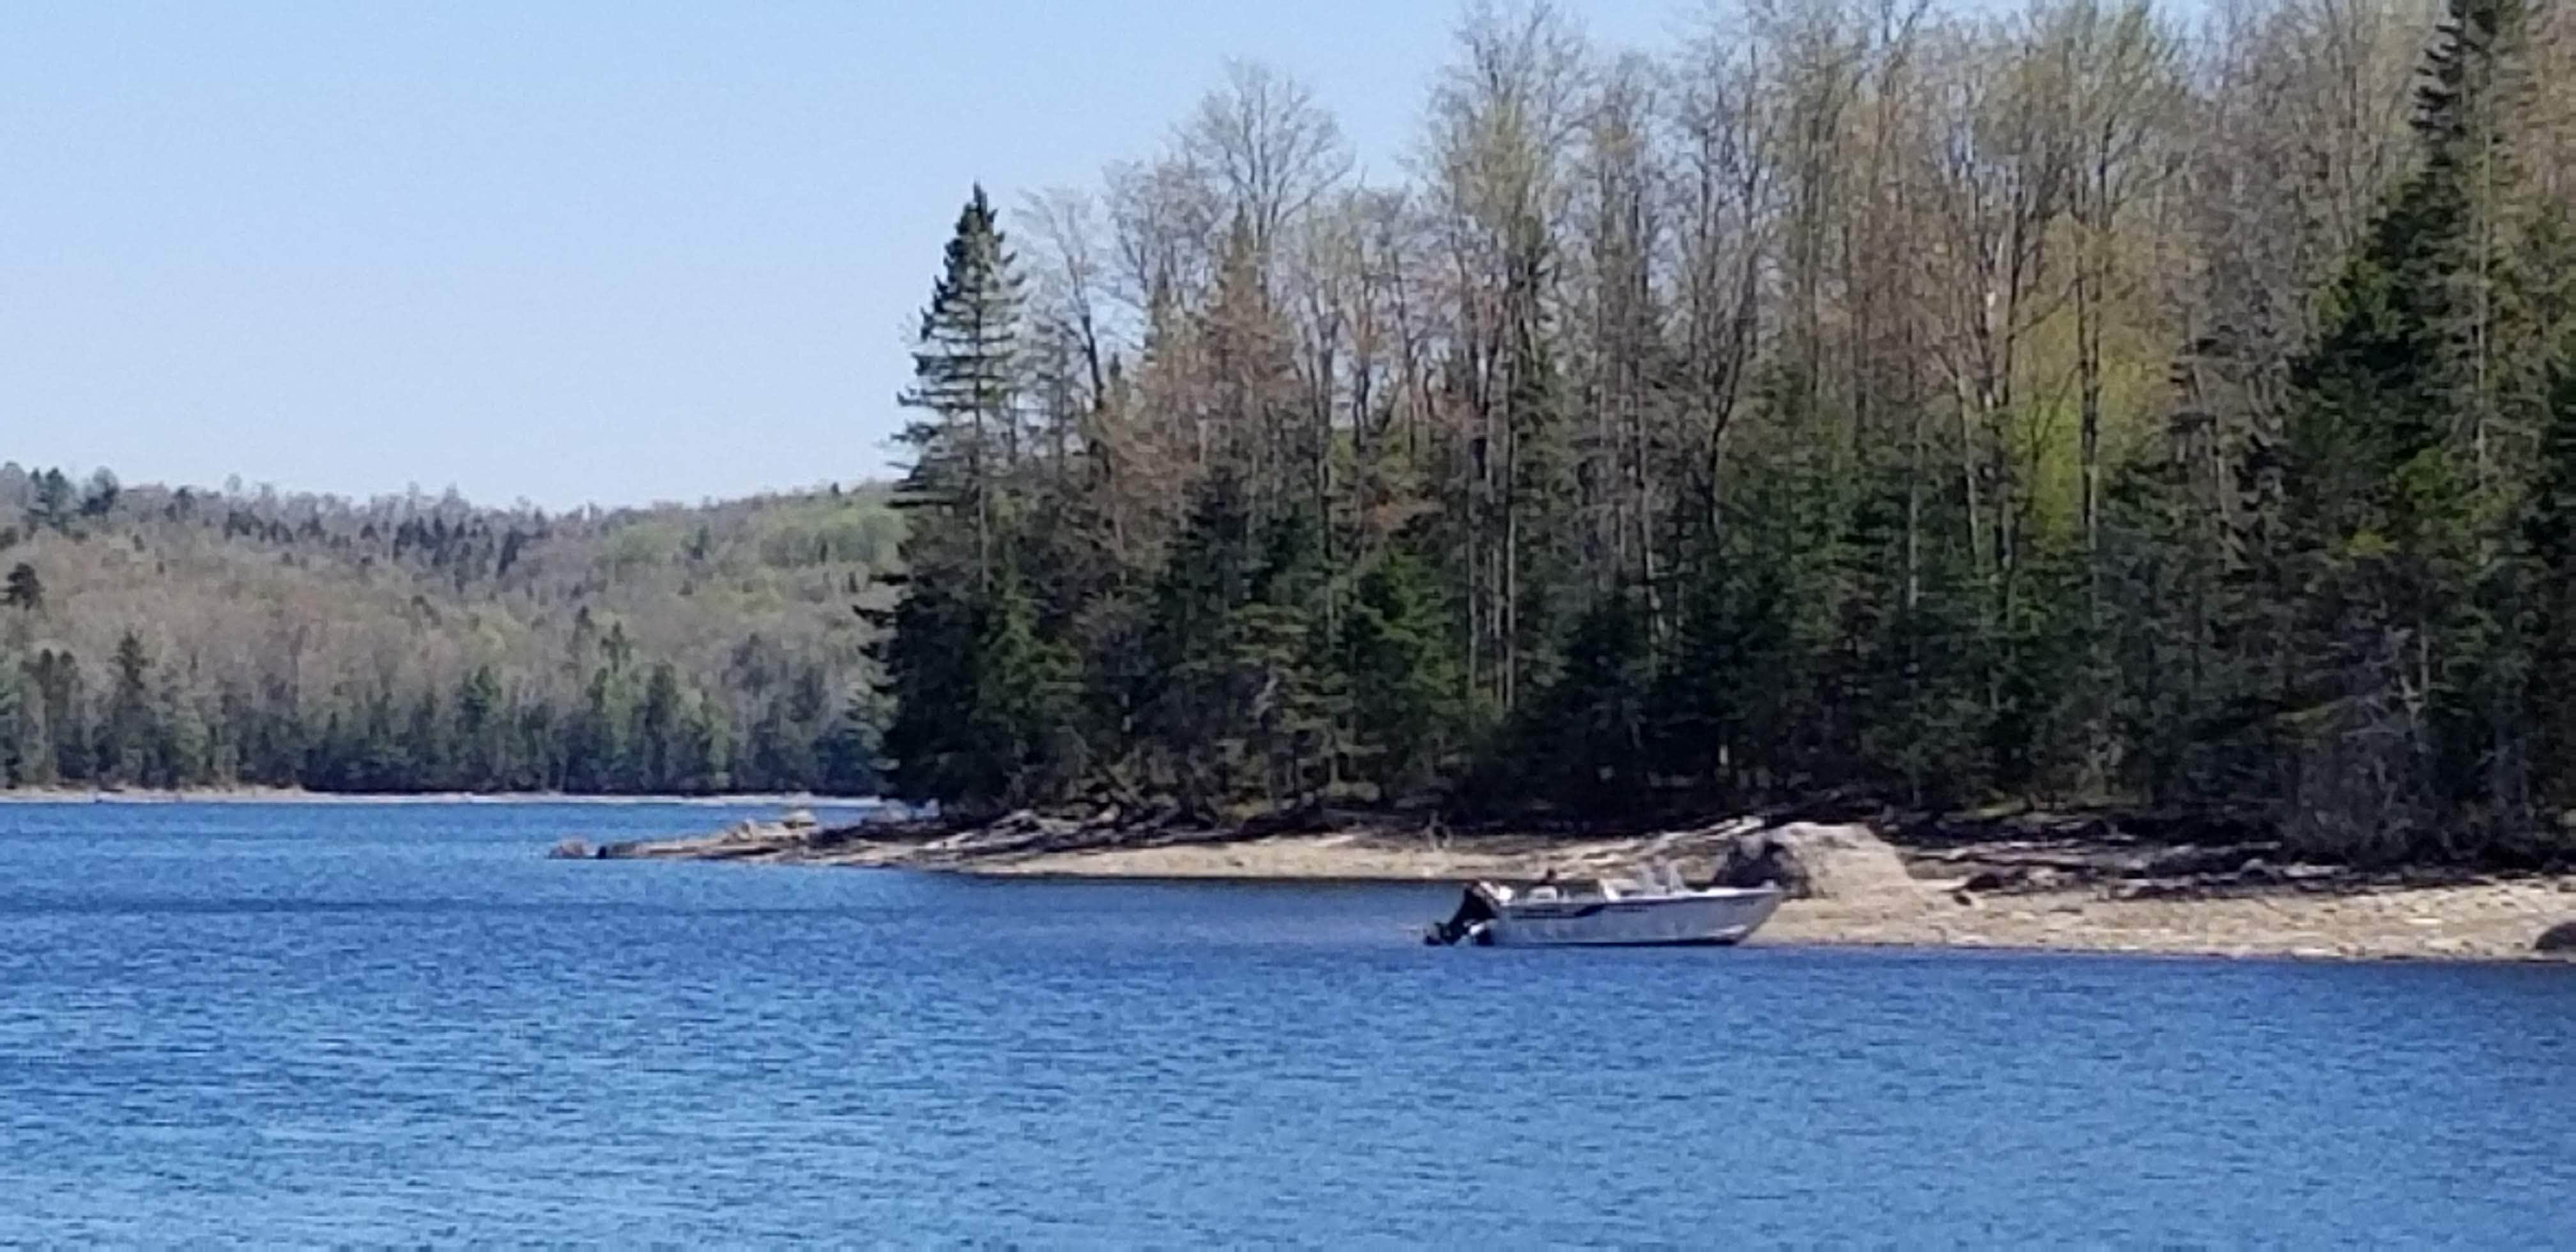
125, 745
966, 383
657, 731
2549, 537
1406, 711
480, 724
1192, 701
1587, 737
2394, 488
978, 694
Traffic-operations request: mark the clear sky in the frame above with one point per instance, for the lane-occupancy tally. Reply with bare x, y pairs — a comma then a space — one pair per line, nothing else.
567, 252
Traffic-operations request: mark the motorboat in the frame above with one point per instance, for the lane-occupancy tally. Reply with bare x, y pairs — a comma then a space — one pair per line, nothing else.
1648, 906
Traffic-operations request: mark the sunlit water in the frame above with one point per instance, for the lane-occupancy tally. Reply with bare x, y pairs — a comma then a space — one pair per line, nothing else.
337, 1024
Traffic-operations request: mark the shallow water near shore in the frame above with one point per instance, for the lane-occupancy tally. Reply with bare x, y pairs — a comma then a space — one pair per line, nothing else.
338, 1024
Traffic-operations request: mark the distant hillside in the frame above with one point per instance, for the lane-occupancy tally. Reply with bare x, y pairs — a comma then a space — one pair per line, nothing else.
159, 637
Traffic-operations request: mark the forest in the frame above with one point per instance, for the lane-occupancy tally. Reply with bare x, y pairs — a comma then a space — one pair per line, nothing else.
2083, 402
179, 638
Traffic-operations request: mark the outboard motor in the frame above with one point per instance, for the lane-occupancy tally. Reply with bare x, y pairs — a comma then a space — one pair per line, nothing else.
1474, 909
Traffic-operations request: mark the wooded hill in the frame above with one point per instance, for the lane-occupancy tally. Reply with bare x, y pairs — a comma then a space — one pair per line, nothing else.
152, 637
2087, 401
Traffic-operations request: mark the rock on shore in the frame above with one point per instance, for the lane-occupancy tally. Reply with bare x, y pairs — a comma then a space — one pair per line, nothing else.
2558, 940
789, 837
1813, 862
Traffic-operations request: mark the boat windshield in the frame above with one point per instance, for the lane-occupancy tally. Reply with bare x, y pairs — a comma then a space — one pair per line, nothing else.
1659, 879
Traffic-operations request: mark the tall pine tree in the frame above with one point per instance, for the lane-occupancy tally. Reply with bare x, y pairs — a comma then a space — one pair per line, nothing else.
2398, 474
978, 694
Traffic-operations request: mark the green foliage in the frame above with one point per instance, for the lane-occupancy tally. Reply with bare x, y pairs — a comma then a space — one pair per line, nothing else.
1233, 706
1407, 713
979, 708
1546, 491
184, 638
1589, 737
2549, 536
2400, 697
978, 697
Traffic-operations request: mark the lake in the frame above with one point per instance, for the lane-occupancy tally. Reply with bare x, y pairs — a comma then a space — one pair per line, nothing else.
370, 1023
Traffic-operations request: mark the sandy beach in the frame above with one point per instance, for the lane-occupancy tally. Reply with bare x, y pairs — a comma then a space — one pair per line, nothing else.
1944, 898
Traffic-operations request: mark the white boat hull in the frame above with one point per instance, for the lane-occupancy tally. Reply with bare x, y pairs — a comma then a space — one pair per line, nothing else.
1720, 916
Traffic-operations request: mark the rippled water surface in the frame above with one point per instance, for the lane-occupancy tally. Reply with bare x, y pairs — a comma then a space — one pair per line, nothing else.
338, 1024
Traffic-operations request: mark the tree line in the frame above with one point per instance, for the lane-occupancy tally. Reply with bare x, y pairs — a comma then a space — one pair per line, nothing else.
167, 638
1858, 398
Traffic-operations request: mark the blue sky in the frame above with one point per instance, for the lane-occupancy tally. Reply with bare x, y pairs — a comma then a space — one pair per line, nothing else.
566, 252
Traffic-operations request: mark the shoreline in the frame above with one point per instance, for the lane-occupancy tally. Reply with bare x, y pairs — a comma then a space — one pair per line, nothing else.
1951, 898
289, 795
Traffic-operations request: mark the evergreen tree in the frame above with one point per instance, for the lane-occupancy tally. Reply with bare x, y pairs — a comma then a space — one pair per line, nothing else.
980, 705
24, 591
33, 759
1406, 709
429, 757
2549, 536
596, 742
657, 733
100, 500
1239, 701
481, 724
966, 382
701, 759
127, 738
845, 755
54, 503
1850, 476
185, 749
13, 735
2396, 481
1588, 736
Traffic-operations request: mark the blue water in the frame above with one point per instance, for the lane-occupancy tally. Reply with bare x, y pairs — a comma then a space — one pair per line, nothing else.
335, 1024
